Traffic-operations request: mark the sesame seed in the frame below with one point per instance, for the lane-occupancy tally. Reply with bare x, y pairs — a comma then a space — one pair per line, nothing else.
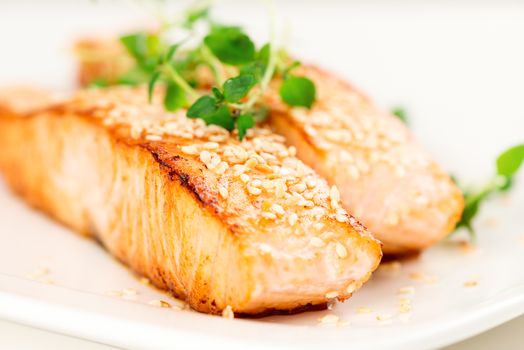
159, 303
352, 287
407, 290
332, 295
363, 310
471, 283
268, 215
292, 219
228, 313
210, 145
342, 252
329, 319
244, 177
341, 218
317, 242
223, 191
129, 291
334, 193
318, 226
145, 281
254, 190
384, 317
278, 209
153, 137
190, 150
256, 183
251, 163
311, 183
205, 157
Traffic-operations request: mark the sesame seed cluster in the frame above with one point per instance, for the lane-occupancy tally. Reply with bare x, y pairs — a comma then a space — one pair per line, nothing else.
354, 135
260, 172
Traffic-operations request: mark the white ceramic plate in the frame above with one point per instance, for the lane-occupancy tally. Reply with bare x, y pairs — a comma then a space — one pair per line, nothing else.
457, 70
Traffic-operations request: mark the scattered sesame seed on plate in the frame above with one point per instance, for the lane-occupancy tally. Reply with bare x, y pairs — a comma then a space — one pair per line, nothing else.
159, 303
384, 317
407, 290
228, 313
364, 310
329, 319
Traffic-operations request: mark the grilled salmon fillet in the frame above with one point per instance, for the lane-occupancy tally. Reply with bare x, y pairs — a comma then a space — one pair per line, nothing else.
385, 177
217, 222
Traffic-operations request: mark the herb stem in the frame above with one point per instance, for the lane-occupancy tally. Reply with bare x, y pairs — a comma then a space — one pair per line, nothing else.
173, 74
214, 64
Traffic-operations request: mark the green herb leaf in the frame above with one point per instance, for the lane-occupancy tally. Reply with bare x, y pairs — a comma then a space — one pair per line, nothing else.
136, 45
144, 48
289, 68
202, 108
509, 162
151, 86
219, 96
195, 15
401, 114
264, 53
244, 122
171, 52
255, 69
298, 91
222, 117
230, 45
237, 88
175, 98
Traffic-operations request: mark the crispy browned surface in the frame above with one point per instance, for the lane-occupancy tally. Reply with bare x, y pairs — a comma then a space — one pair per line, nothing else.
158, 209
385, 178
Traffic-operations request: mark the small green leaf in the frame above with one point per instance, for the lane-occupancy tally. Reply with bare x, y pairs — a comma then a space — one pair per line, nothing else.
256, 69
171, 52
151, 86
136, 44
289, 68
264, 53
244, 122
203, 107
298, 91
144, 48
219, 96
401, 114
230, 45
195, 15
221, 117
175, 98
509, 162
238, 87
